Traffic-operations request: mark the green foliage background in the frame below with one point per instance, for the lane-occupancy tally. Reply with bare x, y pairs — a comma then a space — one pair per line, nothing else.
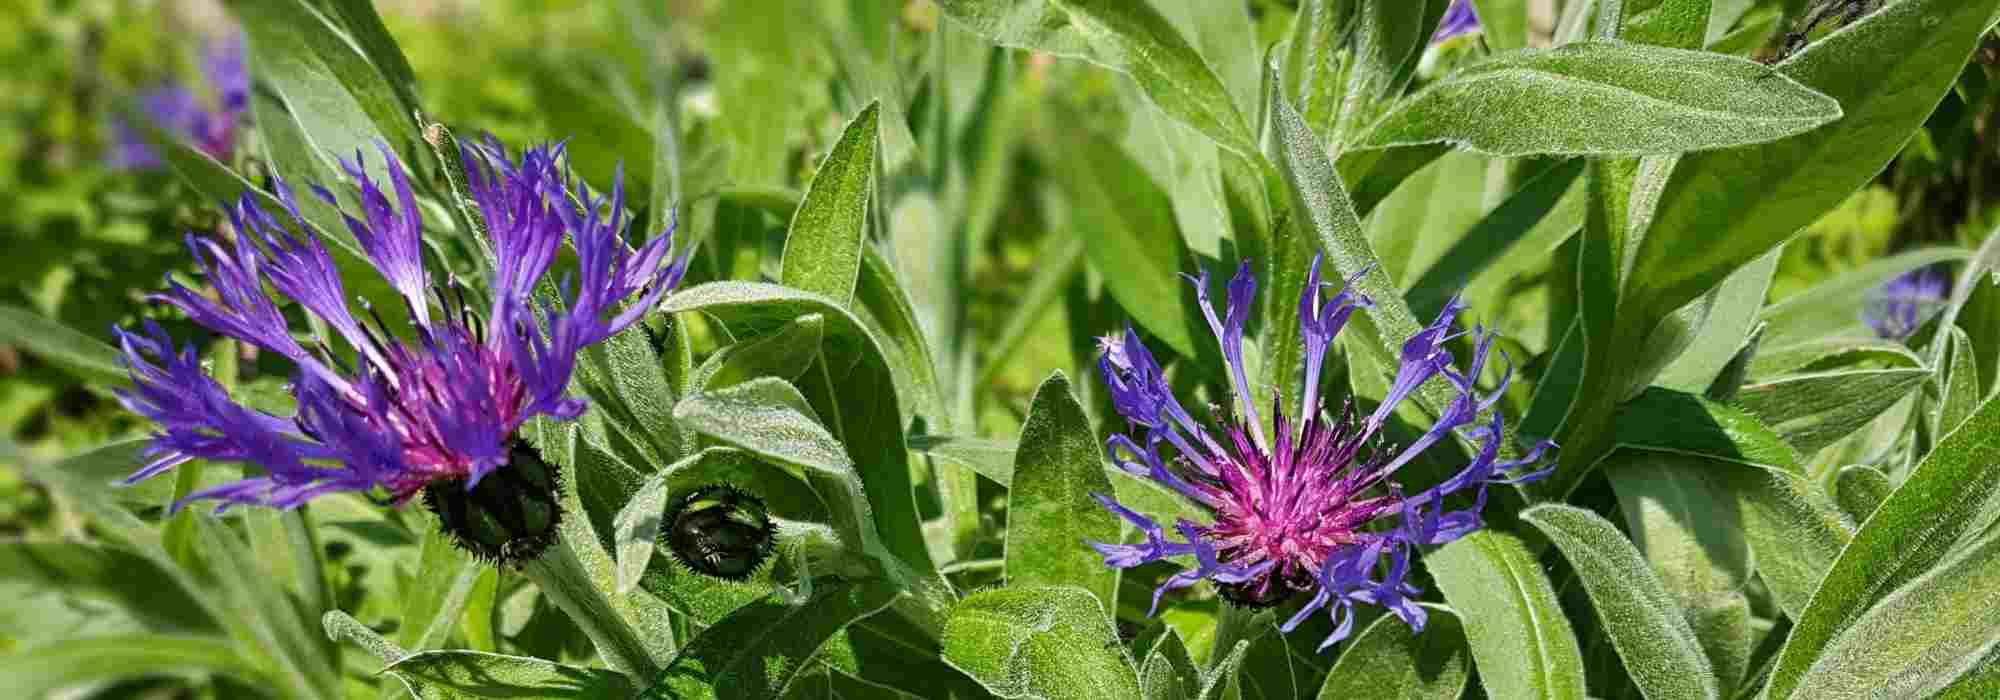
1010, 205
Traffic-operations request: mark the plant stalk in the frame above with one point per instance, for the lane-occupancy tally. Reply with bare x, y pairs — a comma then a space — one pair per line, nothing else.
561, 577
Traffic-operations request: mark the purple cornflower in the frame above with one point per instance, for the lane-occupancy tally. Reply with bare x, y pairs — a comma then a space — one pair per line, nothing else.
210, 126
404, 416
1903, 303
1458, 19
1295, 510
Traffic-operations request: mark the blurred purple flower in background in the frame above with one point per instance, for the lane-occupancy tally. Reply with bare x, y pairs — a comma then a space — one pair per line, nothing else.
1901, 305
1458, 19
396, 417
209, 122
1294, 509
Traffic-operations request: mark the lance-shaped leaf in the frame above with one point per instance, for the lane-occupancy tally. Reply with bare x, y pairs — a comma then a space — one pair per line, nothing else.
1131, 238
1723, 208
1605, 98
1834, 307
44, 669
1049, 642
1129, 37
1050, 510
1689, 525
823, 245
1920, 639
1520, 640
1389, 660
452, 674
1663, 420
342, 102
1945, 499
761, 649
1812, 411
1321, 206
1643, 621
784, 353
1793, 531
79, 354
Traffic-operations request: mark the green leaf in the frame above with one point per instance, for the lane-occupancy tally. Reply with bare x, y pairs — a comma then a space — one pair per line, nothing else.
1390, 660
1670, 421
1959, 385
434, 597
1919, 639
1055, 643
87, 358
823, 244
1134, 38
1834, 351
1860, 490
341, 101
368, 32
134, 583
1128, 37
1731, 318
1130, 237
761, 649
1424, 217
626, 378
1944, 498
595, 483
1833, 307
1679, 24
1520, 639
455, 674
1169, 672
1605, 98
749, 309
1689, 525
1814, 410
1051, 515
1267, 671
1504, 22
1319, 202
994, 459
41, 670
1036, 25
261, 613
1721, 209
769, 418
1053, 272
1389, 37
1660, 650
884, 305
1504, 234
784, 353
1793, 531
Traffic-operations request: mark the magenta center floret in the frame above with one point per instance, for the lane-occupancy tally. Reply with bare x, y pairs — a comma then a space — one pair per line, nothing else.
379, 413
1311, 506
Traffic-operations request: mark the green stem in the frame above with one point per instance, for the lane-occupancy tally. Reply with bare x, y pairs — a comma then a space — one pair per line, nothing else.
562, 578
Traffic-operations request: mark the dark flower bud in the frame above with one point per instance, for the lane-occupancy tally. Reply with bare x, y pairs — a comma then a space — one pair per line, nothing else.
720, 531
510, 517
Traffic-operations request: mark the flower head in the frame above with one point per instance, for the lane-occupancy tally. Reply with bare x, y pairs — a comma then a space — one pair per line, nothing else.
1312, 505
210, 123
1903, 303
1458, 19
435, 411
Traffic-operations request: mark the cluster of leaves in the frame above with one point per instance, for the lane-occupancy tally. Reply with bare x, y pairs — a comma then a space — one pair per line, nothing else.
908, 214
